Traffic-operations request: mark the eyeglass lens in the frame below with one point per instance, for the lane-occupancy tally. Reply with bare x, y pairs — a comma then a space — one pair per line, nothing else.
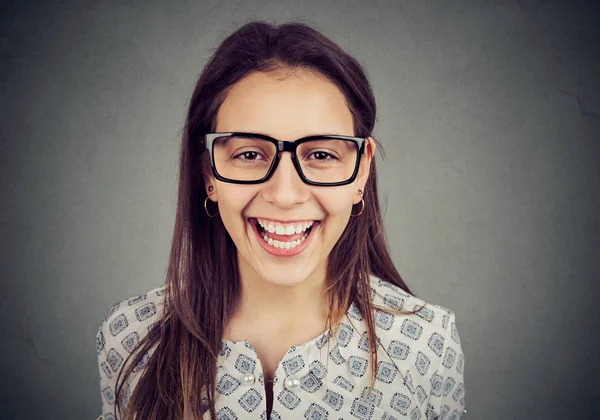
249, 159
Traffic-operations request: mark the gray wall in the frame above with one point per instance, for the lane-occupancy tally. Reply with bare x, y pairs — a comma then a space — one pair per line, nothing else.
490, 116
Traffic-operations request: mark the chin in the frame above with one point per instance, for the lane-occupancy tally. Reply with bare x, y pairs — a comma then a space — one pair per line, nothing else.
284, 279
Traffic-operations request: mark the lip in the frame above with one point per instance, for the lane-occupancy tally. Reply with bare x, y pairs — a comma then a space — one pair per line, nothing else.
278, 252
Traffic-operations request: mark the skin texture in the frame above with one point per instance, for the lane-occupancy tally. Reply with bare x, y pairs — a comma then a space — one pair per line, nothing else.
276, 290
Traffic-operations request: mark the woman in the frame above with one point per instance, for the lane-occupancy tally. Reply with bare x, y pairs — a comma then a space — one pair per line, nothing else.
281, 299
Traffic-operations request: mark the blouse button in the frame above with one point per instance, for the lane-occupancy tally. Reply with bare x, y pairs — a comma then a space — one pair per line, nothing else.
248, 379
291, 383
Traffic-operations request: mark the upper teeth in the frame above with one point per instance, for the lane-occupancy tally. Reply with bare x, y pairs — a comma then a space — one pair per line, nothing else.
284, 229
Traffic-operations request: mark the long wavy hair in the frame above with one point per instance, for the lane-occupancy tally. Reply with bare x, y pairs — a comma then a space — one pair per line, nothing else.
202, 286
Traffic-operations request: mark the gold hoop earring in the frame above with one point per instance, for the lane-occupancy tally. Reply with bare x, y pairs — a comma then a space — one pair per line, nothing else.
362, 202
206, 210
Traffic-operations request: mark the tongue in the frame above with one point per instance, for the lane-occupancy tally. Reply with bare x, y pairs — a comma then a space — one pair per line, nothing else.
286, 238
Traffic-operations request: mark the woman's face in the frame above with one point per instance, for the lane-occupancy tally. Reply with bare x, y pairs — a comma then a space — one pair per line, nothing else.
298, 105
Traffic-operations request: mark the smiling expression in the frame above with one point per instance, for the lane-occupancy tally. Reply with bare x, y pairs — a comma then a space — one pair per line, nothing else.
284, 229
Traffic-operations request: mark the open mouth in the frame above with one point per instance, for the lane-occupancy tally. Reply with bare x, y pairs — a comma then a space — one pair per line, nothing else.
283, 237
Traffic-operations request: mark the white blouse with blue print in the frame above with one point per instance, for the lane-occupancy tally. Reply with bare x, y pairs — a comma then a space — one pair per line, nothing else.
419, 370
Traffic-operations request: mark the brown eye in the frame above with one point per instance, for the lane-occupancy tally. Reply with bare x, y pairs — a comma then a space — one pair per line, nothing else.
320, 155
249, 155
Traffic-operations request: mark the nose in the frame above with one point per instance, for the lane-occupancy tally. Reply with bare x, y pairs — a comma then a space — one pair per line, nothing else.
285, 188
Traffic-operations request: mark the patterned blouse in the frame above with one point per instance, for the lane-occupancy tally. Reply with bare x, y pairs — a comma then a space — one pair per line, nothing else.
419, 371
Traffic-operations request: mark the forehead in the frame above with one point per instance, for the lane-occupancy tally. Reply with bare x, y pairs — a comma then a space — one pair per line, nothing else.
296, 105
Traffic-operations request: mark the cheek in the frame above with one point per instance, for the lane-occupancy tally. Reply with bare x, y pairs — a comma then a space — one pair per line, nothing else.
232, 202
336, 203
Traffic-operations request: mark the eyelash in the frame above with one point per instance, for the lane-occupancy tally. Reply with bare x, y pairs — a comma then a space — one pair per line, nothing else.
244, 153
331, 157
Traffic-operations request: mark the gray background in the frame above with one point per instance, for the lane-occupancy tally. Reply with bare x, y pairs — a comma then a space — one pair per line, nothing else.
490, 116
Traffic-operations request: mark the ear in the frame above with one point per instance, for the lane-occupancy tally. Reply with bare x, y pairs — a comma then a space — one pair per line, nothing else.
210, 186
365, 166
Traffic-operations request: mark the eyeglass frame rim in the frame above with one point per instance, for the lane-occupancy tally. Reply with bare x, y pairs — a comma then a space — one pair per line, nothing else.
285, 146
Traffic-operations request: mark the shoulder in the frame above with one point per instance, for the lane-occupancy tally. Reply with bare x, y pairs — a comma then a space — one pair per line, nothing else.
131, 317
427, 340
429, 334
125, 324
390, 297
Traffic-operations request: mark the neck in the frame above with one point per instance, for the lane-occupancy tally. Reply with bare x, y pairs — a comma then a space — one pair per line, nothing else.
282, 306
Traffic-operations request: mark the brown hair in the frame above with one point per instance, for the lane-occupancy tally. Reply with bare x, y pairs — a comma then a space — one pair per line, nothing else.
202, 284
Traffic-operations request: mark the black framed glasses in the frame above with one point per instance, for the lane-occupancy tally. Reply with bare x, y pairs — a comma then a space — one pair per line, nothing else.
249, 158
